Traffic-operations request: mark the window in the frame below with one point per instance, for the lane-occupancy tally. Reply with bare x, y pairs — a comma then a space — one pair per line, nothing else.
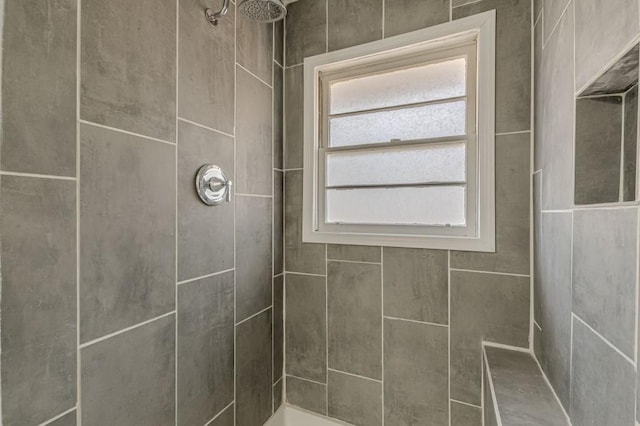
399, 140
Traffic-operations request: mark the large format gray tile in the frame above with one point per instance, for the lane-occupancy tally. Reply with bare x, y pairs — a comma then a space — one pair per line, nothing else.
598, 150
355, 400
354, 298
603, 29
225, 418
416, 284
416, 371
513, 180
353, 22
128, 66
254, 46
521, 392
484, 307
205, 234
254, 138
308, 395
604, 273
278, 222
68, 419
513, 60
278, 327
602, 382
305, 325
127, 230
554, 298
299, 256
293, 105
207, 66
306, 30
401, 16
254, 397
253, 255
630, 144
558, 103
465, 415
129, 379
205, 348
38, 227
278, 116
354, 253
39, 77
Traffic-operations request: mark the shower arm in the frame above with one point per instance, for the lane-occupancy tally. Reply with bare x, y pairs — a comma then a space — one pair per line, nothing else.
212, 17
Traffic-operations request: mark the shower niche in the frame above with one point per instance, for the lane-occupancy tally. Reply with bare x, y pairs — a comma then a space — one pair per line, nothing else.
607, 135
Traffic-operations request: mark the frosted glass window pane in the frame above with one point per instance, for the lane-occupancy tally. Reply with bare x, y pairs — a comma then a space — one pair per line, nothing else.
419, 84
431, 205
429, 163
428, 121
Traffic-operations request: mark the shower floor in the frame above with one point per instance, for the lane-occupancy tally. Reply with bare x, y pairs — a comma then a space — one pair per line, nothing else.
290, 416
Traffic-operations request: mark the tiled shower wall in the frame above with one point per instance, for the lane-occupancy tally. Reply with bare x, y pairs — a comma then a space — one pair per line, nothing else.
586, 257
389, 335
125, 300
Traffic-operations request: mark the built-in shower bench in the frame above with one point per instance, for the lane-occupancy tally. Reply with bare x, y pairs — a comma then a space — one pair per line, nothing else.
516, 392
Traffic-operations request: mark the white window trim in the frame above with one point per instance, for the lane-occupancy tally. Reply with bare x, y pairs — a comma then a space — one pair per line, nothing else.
480, 28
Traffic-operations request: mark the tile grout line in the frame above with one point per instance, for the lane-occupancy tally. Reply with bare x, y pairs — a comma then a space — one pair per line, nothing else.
202, 126
465, 403
273, 208
238, 194
353, 261
190, 280
354, 375
305, 274
235, 215
39, 176
78, 194
489, 272
125, 330
306, 380
326, 318
545, 40
382, 327
59, 416
219, 413
257, 314
414, 321
449, 327
532, 161
254, 75
611, 345
126, 132
553, 391
494, 400
177, 208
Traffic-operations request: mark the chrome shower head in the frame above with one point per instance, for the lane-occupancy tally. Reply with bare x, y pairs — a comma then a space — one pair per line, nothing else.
263, 10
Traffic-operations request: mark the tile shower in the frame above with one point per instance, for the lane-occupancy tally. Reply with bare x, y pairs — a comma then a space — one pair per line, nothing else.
126, 301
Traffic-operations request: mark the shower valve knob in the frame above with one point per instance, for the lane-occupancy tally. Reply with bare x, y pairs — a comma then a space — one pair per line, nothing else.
212, 185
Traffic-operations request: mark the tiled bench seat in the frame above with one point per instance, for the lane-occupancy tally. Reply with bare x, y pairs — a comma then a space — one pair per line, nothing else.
516, 393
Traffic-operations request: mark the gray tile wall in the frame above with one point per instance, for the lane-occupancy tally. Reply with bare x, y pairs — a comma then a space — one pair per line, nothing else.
125, 300
369, 329
585, 258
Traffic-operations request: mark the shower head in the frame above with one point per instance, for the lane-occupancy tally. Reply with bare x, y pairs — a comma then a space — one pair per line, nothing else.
263, 10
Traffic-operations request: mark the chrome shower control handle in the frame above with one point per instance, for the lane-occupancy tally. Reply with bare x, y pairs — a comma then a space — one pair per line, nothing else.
212, 185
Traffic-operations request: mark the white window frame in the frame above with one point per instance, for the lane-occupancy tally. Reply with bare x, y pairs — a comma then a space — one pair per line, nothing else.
479, 234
